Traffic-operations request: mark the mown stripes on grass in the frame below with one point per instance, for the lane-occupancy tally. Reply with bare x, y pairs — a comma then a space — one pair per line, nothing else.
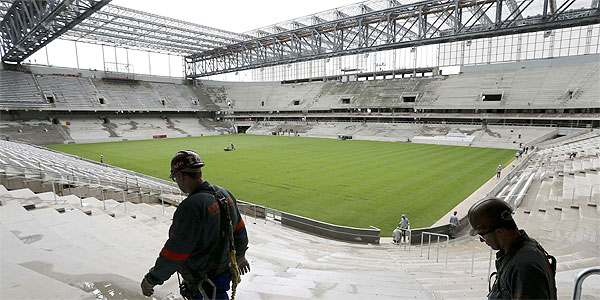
353, 183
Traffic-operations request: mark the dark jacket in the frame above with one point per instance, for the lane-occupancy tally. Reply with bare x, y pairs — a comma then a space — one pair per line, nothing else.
526, 273
194, 237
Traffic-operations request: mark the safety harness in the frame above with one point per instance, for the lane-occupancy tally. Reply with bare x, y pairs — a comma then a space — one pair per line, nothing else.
550, 261
194, 284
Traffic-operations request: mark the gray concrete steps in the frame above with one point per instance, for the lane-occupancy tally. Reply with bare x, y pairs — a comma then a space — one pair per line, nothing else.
89, 206
152, 211
19, 282
91, 234
155, 224
70, 265
287, 264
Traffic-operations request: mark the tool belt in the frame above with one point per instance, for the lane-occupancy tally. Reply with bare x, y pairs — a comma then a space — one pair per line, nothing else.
192, 284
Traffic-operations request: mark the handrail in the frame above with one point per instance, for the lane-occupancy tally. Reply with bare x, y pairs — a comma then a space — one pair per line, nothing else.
581, 187
473, 255
476, 239
408, 238
438, 242
580, 278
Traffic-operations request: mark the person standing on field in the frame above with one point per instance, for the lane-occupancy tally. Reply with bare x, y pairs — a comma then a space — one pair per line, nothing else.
498, 171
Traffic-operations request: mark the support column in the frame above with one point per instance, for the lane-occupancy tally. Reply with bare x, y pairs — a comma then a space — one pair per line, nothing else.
76, 54
519, 44
103, 59
588, 39
462, 53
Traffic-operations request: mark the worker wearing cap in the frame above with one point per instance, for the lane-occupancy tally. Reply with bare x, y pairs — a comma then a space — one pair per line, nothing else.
524, 270
404, 226
454, 222
498, 171
198, 246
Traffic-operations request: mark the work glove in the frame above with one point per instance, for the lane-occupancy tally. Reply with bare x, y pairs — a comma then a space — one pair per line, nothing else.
147, 287
243, 264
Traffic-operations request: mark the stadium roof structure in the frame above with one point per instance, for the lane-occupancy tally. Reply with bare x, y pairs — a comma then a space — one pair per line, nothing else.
28, 26
122, 27
402, 26
119, 26
372, 25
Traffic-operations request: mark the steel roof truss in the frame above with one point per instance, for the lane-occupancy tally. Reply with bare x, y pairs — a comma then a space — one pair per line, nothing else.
29, 25
410, 25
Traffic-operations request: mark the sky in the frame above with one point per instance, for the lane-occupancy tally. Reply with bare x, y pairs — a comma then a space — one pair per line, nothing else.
236, 16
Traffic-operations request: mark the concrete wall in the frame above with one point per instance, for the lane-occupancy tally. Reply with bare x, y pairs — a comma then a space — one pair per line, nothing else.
343, 233
336, 232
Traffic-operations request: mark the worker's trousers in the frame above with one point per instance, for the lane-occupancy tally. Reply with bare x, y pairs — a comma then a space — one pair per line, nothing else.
221, 282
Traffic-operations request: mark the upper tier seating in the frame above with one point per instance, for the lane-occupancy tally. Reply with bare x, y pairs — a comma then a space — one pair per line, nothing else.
549, 84
18, 89
69, 91
554, 85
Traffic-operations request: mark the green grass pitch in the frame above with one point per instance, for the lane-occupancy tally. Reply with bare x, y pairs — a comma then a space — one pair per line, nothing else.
353, 183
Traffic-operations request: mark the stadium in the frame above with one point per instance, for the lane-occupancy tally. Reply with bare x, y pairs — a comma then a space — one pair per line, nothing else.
327, 128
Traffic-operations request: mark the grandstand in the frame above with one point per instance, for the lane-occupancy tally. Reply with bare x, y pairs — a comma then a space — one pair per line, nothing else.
75, 228
51, 236
364, 109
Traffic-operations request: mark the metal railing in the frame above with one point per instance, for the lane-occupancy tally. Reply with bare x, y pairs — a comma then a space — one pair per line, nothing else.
580, 278
475, 240
430, 234
408, 234
248, 209
274, 214
590, 197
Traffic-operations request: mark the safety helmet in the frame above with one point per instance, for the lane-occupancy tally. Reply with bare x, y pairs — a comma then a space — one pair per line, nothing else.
186, 161
403, 216
486, 214
455, 212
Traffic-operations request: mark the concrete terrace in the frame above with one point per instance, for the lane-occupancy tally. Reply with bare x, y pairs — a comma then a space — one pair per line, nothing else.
77, 246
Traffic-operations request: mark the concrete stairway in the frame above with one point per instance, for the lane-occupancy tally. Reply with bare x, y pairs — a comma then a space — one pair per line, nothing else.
86, 252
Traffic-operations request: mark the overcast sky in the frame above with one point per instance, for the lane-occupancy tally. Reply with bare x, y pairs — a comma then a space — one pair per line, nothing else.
237, 16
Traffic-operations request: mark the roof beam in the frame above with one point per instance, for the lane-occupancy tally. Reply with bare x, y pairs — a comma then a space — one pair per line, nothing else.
408, 25
29, 25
